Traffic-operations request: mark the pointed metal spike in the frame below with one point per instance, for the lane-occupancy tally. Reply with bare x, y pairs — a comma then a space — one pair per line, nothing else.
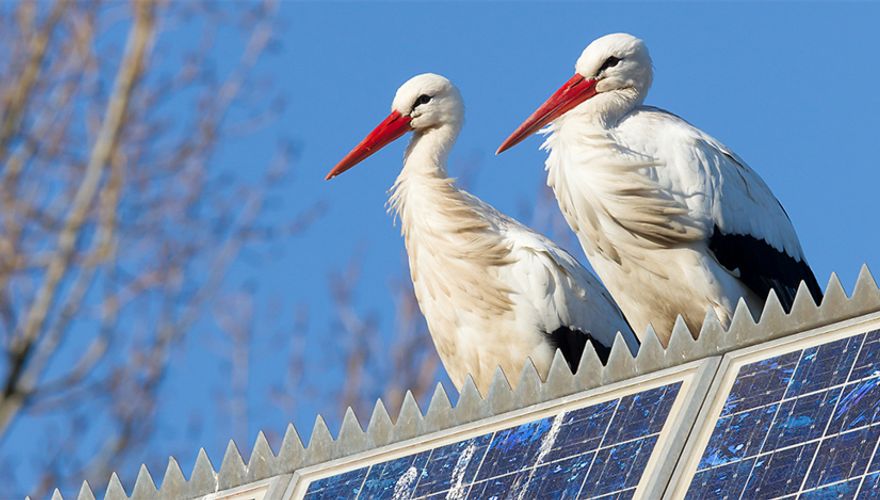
773, 317
470, 405
866, 295
56, 495
203, 479
261, 460
651, 354
173, 484
115, 491
834, 302
500, 396
589, 373
409, 419
233, 471
144, 487
560, 380
742, 327
528, 389
320, 443
291, 454
681, 343
351, 438
439, 414
621, 364
380, 428
804, 311
85, 492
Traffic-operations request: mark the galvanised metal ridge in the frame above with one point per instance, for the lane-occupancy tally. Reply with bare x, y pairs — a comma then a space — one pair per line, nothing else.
530, 389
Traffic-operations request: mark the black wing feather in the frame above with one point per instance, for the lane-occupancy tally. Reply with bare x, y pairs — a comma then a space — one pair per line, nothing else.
762, 267
572, 343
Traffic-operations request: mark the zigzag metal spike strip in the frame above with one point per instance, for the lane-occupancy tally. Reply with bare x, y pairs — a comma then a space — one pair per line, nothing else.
682, 345
865, 293
144, 487
351, 438
380, 428
620, 365
835, 298
232, 470
203, 479
409, 419
439, 413
470, 405
651, 355
742, 325
85, 492
804, 310
320, 444
260, 464
589, 373
530, 389
773, 317
115, 491
560, 381
173, 484
292, 453
500, 396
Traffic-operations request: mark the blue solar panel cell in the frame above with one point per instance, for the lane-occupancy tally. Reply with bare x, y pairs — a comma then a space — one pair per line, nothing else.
640, 414
870, 487
726, 481
451, 465
562, 479
824, 366
802, 423
618, 467
868, 361
592, 452
738, 436
582, 430
801, 419
779, 474
847, 489
343, 485
761, 383
843, 456
859, 406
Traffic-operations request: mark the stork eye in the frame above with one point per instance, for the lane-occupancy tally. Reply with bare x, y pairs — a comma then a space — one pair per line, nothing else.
423, 99
609, 63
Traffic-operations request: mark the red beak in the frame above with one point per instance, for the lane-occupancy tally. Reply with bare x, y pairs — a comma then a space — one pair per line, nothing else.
390, 129
575, 91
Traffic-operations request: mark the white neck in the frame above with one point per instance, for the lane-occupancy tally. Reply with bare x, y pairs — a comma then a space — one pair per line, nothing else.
606, 109
423, 182
428, 150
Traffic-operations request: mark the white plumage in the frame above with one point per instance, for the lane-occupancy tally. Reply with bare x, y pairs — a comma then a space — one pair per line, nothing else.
493, 291
671, 220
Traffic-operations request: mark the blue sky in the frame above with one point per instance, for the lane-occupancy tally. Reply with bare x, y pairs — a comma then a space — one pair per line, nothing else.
789, 87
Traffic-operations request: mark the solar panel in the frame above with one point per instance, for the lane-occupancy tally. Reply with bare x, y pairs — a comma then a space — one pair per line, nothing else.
588, 452
804, 422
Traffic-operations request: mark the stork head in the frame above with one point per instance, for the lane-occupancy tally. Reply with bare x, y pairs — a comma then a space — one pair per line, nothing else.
424, 102
613, 73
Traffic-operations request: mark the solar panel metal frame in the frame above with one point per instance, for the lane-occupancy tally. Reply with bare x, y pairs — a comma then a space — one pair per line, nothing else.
722, 384
695, 376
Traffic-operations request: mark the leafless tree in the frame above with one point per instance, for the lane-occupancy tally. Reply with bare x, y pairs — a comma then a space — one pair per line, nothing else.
117, 228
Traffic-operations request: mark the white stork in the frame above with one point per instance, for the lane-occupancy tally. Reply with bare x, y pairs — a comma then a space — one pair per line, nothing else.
672, 221
493, 291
